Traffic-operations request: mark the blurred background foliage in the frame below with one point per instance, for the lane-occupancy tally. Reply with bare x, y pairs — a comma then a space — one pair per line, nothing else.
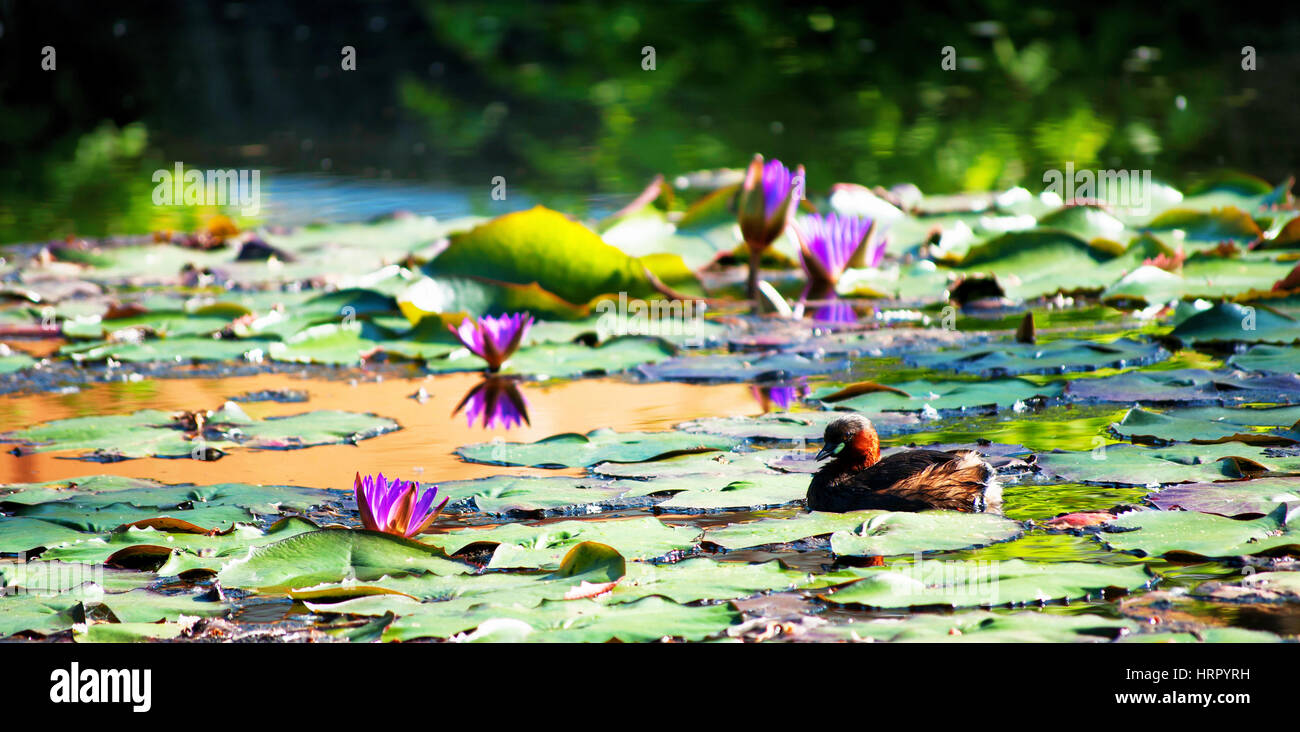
555, 96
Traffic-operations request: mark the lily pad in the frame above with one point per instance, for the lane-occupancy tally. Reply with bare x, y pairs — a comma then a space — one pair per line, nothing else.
698, 579
872, 533
546, 247
941, 395
905, 533
180, 548
982, 626
1230, 322
501, 494
1134, 465
155, 433
521, 545
330, 556
1162, 533
23, 534
574, 621
1154, 428
1229, 498
986, 584
1189, 386
1281, 359
1066, 355
571, 450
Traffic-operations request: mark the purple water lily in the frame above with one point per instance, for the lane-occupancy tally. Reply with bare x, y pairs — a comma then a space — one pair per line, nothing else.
826, 247
768, 197
396, 506
493, 339
496, 402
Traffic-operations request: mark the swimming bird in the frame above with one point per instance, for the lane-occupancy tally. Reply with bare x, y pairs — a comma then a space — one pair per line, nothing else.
911, 480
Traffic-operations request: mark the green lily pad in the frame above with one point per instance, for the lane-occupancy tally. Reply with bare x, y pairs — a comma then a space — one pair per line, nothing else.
1134, 465
1160, 533
128, 632
39, 613
153, 432
110, 516
184, 546
1219, 425
800, 427
1208, 635
1253, 588
102, 490
330, 556
24, 534
698, 579
573, 621
982, 626
1230, 322
546, 247
905, 533
1066, 355
478, 297
943, 395
571, 450
14, 362
1215, 225
52, 577
1043, 262
985, 584
501, 494
1188, 386
544, 546
169, 349
1282, 359
1229, 498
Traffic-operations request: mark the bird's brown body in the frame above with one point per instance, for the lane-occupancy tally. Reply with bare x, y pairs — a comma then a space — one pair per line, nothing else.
911, 480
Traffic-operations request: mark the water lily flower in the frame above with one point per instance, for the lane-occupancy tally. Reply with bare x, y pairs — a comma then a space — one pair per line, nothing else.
395, 506
768, 197
826, 247
496, 402
493, 339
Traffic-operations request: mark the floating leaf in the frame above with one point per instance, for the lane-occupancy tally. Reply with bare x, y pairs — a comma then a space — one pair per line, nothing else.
1160, 533
1229, 498
1066, 355
330, 556
572, 450
944, 395
984, 584
520, 545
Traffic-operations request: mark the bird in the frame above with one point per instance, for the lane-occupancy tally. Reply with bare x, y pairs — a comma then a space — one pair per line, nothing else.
911, 480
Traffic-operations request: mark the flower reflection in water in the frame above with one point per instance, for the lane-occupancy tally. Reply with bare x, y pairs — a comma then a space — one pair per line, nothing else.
780, 397
495, 402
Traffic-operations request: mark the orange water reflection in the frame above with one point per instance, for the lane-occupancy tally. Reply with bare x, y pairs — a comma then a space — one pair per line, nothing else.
422, 449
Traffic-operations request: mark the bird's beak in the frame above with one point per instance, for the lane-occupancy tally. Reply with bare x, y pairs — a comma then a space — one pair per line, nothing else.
829, 451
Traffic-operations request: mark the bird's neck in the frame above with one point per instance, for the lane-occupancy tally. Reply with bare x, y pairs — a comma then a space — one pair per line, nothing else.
863, 451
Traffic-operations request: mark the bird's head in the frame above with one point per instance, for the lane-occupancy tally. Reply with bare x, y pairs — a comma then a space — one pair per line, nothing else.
853, 438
